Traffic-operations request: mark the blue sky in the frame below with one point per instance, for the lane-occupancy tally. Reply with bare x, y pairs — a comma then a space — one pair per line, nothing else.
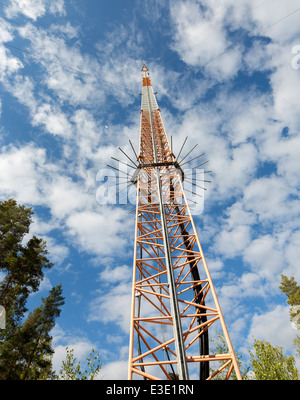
227, 75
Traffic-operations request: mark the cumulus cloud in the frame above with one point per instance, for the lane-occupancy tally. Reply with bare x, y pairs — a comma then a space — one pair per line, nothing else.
116, 370
201, 38
58, 252
8, 63
231, 243
264, 257
117, 274
275, 325
242, 127
23, 175
95, 233
113, 307
34, 9
193, 25
55, 122
266, 19
271, 199
64, 196
62, 339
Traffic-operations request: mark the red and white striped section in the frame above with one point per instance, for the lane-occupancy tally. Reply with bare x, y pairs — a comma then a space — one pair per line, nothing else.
149, 102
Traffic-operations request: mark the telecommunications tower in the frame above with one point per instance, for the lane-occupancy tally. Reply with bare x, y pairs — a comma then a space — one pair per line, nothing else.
174, 303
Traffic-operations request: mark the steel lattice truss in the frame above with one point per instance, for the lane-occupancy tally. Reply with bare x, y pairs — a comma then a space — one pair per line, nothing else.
174, 302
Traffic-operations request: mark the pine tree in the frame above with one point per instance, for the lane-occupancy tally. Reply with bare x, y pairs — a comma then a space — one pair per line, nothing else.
290, 287
25, 345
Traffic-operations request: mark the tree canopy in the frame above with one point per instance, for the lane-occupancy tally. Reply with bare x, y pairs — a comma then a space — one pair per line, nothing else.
71, 368
25, 343
290, 287
269, 362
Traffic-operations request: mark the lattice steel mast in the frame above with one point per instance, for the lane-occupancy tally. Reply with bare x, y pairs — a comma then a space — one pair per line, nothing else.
170, 317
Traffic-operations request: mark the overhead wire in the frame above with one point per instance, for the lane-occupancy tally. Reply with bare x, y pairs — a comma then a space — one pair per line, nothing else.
19, 11
214, 33
281, 19
80, 72
84, 73
66, 67
58, 63
258, 33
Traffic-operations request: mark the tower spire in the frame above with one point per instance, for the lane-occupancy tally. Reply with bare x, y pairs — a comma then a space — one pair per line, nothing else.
172, 286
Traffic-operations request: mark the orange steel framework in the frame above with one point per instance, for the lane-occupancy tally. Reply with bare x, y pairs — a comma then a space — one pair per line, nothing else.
174, 302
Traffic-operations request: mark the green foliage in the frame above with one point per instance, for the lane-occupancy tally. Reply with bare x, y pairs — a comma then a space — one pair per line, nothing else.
71, 369
269, 363
296, 343
22, 265
290, 287
25, 345
219, 346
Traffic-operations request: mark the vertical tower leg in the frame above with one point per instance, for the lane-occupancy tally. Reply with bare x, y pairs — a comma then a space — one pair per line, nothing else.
174, 303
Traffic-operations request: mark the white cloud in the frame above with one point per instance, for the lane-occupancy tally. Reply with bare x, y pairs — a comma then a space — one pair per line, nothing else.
114, 339
81, 345
89, 135
233, 242
72, 75
265, 258
73, 88
216, 268
201, 39
237, 129
45, 285
237, 289
63, 196
21, 173
282, 30
41, 226
272, 255
269, 198
27, 175
236, 215
284, 81
68, 29
5, 31
292, 253
23, 89
192, 26
115, 370
57, 252
245, 115
113, 306
100, 233
34, 9
234, 168
55, 121
42, 113
117, 274
273, 326
8, 64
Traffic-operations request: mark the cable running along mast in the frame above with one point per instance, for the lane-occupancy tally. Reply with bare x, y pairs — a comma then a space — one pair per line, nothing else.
174, 302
